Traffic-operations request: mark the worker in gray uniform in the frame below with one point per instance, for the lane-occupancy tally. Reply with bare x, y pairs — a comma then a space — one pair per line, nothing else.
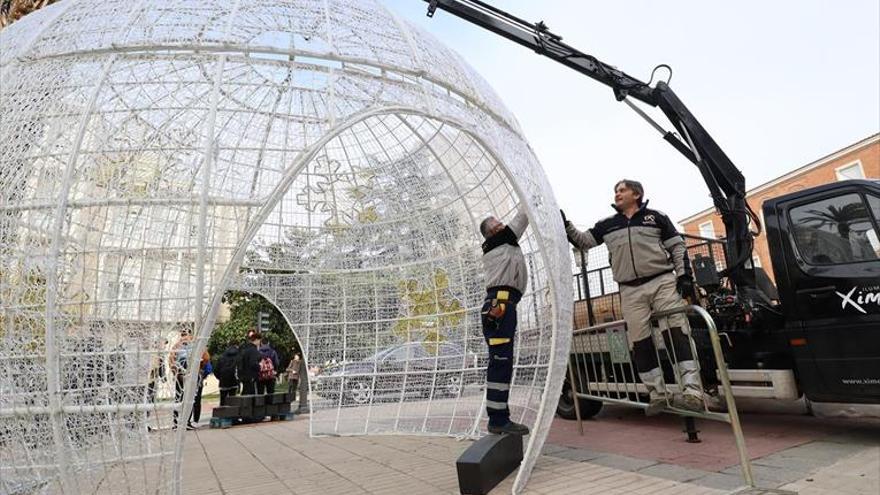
649, 263
506, 279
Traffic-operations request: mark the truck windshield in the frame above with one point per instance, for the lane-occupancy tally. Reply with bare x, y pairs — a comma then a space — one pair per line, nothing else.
836, 230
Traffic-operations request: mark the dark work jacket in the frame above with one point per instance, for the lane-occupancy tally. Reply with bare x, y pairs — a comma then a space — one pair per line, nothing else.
248, 362
640, 247
226, 368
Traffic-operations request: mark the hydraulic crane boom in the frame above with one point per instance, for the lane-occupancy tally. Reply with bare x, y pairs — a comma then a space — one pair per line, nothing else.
725, 182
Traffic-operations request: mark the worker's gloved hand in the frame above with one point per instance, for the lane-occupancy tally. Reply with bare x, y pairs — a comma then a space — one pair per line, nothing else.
565, 221
566, 224
685, 287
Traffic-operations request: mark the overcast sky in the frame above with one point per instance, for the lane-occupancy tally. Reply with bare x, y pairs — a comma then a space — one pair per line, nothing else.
777, 83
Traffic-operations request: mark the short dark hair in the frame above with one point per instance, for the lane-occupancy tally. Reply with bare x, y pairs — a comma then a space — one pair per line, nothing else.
634, 185
264, 340
484, 226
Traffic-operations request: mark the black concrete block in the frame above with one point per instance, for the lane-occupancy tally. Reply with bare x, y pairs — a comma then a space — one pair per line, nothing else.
260, 400
271, 410
225, 412
487, 462
283, 408
278, 398
240, 400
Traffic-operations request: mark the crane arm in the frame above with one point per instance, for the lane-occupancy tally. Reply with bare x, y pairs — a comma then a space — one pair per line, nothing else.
725, 182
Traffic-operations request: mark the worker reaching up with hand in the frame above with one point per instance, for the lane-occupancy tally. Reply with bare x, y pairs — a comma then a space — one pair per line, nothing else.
506, 278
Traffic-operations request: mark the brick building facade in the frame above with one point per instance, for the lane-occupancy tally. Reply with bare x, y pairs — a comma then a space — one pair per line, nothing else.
860, 160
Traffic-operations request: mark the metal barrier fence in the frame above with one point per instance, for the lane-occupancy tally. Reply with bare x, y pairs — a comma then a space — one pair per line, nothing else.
601, 368
597, 297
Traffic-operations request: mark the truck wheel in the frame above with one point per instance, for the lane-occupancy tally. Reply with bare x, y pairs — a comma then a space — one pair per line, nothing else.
565, 408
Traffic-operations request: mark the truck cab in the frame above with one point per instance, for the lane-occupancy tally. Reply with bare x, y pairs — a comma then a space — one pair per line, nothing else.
825, 249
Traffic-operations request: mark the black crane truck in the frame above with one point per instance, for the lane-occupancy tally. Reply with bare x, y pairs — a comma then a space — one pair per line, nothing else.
817, 332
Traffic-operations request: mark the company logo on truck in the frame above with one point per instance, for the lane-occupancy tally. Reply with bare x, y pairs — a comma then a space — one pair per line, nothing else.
858, 298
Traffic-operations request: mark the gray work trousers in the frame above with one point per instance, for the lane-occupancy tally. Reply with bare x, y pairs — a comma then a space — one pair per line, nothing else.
654, 295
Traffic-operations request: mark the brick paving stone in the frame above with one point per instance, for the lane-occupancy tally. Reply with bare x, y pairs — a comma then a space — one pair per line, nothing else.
575, 454
720, 481
824, 450
673, 472
762, 491
769, 476
623, 462
793, 462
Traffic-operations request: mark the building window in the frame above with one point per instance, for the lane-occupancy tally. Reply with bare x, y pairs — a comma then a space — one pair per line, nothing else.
707, 230
851, 171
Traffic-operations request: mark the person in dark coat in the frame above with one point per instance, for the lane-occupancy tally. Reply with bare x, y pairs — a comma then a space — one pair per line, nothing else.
227, 374
178, 363
205, 369
266, 381
249, 363
292, 373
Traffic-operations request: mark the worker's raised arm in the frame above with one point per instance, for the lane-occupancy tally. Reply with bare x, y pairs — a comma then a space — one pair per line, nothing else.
519, 223
582, 239
587, 239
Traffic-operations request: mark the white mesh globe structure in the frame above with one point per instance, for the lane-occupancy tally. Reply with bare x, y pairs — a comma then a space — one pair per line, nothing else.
322, 153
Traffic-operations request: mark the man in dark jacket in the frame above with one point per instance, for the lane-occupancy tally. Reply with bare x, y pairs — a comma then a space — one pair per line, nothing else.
266, 380
249, 363
649, 263
227, 374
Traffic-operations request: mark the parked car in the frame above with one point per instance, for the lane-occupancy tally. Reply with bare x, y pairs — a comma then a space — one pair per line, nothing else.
420, 369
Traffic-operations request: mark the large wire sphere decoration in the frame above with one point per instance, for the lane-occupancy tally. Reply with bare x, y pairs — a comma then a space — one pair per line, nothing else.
322, 153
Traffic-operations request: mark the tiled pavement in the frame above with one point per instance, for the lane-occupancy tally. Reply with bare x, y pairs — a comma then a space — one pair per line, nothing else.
280, 458
811, 457
785, 449
855, 475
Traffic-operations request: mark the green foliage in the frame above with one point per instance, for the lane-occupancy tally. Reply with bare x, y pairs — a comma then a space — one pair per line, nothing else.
25, 288
244, 308
432, 312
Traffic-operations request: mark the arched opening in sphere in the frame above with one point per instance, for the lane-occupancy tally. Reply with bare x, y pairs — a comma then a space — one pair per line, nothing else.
373, 256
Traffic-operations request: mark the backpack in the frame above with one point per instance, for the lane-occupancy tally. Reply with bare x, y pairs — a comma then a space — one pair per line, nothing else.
267, 369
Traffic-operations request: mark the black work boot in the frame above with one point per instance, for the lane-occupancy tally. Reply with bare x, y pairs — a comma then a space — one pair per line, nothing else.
510, 428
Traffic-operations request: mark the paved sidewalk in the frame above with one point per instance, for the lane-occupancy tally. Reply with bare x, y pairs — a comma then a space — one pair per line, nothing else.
788, 452
280, 458
855, 475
